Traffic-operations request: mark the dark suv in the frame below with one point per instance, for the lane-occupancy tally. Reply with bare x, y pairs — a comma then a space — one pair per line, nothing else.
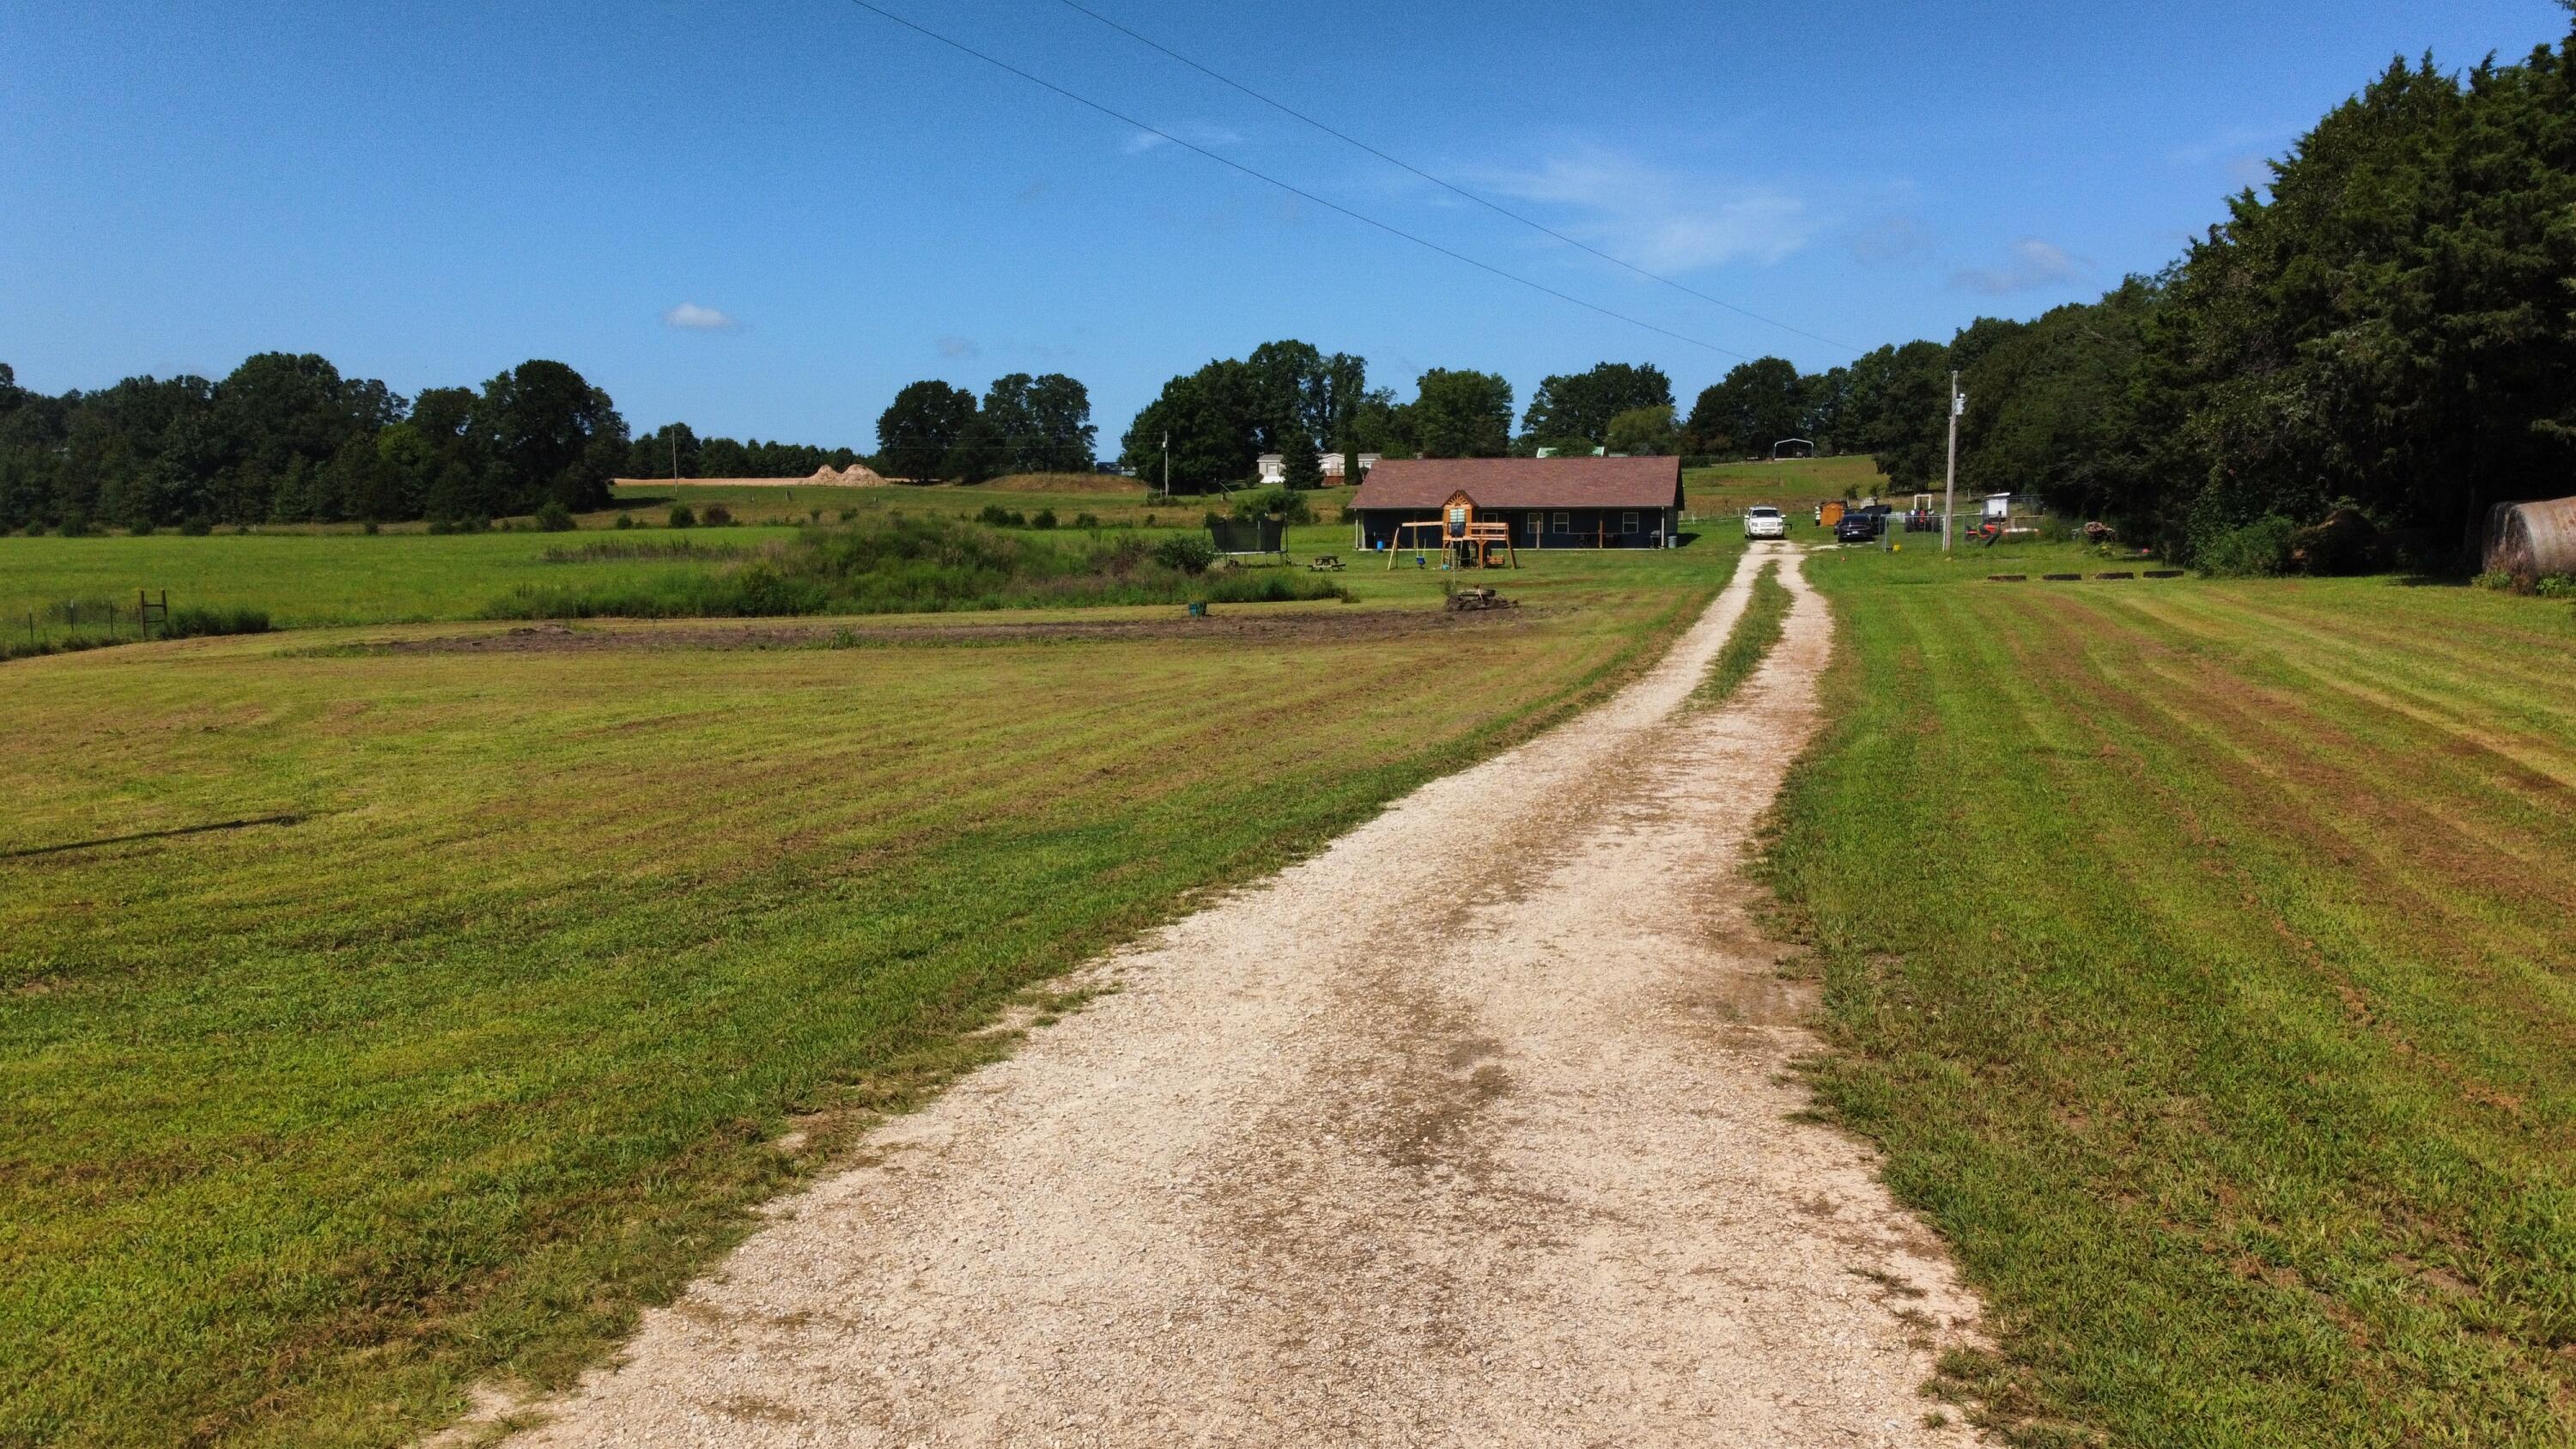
1860, 526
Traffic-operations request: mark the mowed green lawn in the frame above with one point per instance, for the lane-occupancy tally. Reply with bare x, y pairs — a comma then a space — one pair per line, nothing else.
306, 580
2204, 955
1798, 483
314, 1125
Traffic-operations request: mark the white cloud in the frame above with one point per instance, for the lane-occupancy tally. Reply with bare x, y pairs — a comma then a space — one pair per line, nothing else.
690, 317
1197, 133
959, 347
1891, 239
2243, 153
1657, 219
2032, 264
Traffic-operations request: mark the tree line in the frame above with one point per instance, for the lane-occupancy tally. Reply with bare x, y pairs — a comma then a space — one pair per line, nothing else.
2386, 338
934, 430
1293, 399
286, 438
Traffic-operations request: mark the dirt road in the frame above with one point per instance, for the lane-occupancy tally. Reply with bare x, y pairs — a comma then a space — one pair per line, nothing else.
1471, 1130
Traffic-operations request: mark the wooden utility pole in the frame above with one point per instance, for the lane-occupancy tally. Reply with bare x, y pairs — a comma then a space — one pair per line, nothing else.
1950, 474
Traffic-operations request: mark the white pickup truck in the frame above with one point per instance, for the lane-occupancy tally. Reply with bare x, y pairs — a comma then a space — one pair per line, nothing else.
1764, 521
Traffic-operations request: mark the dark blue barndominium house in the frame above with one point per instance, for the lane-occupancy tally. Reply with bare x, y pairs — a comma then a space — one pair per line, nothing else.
1549, 502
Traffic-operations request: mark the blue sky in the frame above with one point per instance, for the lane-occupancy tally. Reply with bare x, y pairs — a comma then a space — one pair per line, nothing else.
429, 194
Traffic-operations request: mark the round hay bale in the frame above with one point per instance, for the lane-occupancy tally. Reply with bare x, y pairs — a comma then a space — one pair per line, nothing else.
2528, 540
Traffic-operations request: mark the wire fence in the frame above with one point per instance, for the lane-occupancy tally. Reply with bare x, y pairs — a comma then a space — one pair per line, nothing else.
86, 623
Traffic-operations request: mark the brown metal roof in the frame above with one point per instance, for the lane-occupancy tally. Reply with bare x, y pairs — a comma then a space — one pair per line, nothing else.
1524, 482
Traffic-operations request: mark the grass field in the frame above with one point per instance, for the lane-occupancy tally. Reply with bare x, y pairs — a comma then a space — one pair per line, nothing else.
2201, 954
1793, 483
312, 578
496, 1034
306, 580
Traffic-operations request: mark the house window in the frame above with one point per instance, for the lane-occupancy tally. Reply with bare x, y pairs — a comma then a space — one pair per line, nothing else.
1562, 526
1627, 523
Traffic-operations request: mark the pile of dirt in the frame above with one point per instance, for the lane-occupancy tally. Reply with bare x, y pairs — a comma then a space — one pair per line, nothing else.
857, 475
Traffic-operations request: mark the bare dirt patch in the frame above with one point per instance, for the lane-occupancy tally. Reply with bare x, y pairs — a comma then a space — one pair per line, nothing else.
1242, 623
1427, 1140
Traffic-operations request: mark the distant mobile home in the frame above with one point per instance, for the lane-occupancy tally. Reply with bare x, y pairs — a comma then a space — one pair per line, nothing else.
1549, 502
1274, 467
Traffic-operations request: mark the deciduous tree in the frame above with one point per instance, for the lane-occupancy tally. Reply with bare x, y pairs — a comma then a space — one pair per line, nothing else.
1461, 414
916, 433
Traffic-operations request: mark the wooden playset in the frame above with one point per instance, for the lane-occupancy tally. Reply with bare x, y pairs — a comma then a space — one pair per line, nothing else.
1463, 541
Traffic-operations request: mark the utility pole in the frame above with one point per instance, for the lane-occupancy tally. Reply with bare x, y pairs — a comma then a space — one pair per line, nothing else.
1950, 474
674, 436
1167, 462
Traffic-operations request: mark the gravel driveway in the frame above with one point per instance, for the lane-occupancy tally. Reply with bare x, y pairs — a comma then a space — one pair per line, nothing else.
1471, 1130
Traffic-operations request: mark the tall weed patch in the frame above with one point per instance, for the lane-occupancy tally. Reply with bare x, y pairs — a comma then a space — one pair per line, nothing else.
917, 566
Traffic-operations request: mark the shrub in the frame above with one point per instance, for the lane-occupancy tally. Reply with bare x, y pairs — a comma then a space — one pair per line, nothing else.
73, 526
848, 514
196, 621
1043, 518
140, 528
2556, 586
717, 516
914, 565
626, 520
682, 516
1273, 503
813, 515
2344, 542
196, 525
2259, 549
1187, 552
372, 529
1086, 520
555, 518
2494, 579
993, 516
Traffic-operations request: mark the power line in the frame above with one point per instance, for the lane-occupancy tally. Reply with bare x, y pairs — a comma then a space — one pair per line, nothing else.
1293, 190
1493, 206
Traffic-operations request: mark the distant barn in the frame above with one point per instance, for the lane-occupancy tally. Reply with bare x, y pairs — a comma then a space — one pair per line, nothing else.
1549, 502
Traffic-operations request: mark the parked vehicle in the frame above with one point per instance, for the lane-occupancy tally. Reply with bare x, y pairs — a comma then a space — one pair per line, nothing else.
1861, 525
1764, 521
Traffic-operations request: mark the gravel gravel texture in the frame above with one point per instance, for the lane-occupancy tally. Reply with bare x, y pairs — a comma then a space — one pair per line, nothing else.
1474, 1129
